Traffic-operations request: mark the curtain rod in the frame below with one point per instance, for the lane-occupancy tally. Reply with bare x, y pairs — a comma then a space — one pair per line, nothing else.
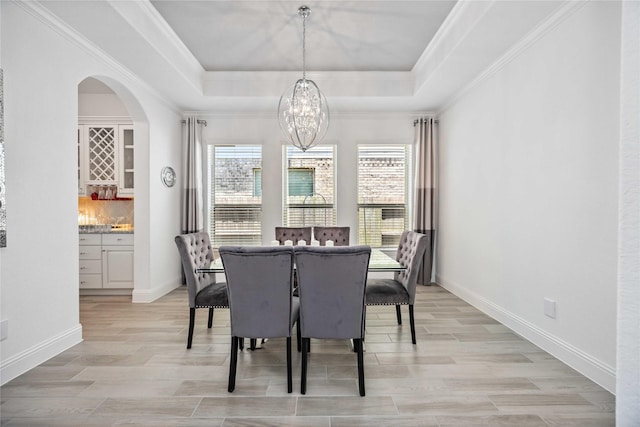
415, 122
200, 122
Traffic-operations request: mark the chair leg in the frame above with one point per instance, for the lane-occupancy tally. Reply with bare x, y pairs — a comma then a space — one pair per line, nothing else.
398, 314
241, 343
233, 364
252, 343
289, 379
413, 325
358, 344
298, 338
192, 319
303, 376
210, 322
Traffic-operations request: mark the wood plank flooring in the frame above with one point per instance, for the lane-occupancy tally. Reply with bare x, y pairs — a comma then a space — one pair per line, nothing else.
133, 368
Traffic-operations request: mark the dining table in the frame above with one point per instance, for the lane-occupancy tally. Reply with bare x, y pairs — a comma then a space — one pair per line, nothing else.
379, 262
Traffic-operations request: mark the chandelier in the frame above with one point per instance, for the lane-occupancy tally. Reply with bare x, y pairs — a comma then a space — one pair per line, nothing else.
303, 112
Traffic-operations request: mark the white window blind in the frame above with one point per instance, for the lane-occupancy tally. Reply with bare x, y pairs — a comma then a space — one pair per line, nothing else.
235, 181
309, 187
383, 194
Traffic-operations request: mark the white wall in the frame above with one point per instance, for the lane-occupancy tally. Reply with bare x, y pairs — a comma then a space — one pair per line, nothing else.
628, 361
39, 278
528, 195
101, 104
346, 131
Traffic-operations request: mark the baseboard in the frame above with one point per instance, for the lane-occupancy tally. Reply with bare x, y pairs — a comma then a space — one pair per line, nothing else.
30, 358
93, 292
150, 295
592, 368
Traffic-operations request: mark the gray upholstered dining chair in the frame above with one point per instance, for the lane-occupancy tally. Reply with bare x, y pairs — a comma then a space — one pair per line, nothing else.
401, 290
202, 289
339, 235
295, 234
331, 283
260, 282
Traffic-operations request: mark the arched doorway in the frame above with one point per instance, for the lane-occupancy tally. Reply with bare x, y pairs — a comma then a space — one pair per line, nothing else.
112, 128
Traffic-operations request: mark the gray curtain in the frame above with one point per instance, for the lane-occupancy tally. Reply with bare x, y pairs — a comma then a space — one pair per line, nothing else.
426, 203
192, 206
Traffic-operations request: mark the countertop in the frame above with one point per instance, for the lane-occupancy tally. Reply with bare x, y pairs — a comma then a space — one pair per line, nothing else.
106, 232
105, 229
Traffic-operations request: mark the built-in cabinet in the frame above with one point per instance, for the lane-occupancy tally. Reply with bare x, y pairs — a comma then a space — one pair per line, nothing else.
106, 157
106, 261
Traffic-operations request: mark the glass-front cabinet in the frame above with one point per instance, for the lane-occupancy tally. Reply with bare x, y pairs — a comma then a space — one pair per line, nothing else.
106, 157
125, 164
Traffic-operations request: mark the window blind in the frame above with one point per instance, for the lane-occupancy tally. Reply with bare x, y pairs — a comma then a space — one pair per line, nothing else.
235, 194
383, 194
309, 187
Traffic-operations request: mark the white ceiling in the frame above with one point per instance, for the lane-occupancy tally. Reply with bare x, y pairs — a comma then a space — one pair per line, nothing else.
408, 56
341, 35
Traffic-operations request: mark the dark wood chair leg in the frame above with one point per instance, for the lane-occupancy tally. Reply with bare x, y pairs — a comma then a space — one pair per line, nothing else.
298, 338
210, 322
398, 315
289, 379
192, 319
241, 343
252, 343
413, 325
303, 376
358, 344
233, 364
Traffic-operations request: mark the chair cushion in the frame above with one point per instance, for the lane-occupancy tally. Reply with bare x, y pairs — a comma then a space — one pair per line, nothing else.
385, 291
213, 295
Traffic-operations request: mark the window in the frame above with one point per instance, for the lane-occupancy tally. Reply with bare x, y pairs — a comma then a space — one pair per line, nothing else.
235, 179
383, 194
309, 187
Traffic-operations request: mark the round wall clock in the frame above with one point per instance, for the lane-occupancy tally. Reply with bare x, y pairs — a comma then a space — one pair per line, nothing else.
168, 176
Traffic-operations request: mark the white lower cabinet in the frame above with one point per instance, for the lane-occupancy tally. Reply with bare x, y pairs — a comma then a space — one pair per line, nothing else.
106, 261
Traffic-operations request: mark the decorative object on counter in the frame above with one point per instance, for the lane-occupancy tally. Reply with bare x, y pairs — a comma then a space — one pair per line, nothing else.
105, 192
168, 176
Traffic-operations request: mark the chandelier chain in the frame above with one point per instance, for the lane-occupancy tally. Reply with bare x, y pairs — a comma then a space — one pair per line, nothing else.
304, 15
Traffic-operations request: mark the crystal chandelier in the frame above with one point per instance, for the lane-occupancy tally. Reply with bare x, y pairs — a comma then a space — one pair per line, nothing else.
303, 113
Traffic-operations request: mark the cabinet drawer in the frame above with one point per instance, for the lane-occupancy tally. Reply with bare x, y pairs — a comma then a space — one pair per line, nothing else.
90, 281
117, 239
90, 252
90, 239
90, 266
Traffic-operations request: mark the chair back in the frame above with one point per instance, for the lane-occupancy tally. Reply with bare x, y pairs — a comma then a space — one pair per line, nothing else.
331, 284
259, 284
339, 235
294, 234
410, 255
195, 252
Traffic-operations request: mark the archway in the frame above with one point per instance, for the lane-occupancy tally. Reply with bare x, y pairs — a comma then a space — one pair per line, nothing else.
107, 205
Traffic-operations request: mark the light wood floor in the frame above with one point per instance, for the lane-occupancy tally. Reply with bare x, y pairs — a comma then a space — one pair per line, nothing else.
133, 368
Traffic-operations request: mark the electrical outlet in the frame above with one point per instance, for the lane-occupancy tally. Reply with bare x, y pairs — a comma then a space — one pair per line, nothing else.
4, 330
550, 308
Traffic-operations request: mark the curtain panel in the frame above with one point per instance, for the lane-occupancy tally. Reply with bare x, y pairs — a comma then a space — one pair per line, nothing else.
192, 216
425, 200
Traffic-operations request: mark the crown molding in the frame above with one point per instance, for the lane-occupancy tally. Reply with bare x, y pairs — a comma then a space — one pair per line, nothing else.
38, 11
556, 18
356, 115
459, 23
334, 83
152, 27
